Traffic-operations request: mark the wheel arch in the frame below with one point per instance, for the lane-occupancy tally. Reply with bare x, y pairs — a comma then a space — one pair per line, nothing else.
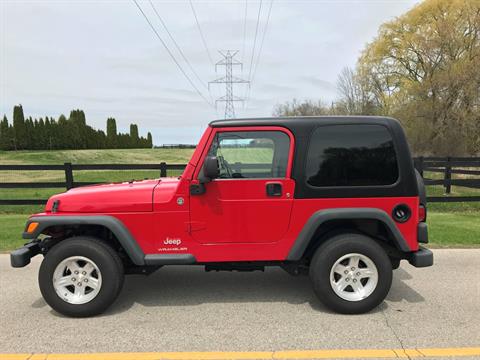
115, 226
326, 223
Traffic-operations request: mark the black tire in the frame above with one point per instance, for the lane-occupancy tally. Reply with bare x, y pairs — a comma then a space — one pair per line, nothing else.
332, 250
395, 263
105, 258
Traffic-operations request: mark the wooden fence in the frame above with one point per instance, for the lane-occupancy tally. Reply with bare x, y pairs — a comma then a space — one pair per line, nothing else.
469, 167
68, 168
446, 167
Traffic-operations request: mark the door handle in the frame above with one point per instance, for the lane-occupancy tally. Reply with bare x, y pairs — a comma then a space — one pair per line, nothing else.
274, 189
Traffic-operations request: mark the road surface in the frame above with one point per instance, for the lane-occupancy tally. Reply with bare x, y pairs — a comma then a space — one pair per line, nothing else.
181, 308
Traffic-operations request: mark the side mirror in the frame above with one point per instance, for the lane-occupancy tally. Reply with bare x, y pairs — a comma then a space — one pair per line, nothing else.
211, 169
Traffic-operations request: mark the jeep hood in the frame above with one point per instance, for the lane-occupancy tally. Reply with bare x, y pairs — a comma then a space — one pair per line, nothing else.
135, 196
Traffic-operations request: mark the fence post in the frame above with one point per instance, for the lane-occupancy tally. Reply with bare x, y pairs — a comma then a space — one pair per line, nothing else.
418, 164
163, 169
448, 176
68, 175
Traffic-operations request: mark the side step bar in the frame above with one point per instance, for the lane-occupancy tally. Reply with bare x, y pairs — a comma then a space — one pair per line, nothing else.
170, 259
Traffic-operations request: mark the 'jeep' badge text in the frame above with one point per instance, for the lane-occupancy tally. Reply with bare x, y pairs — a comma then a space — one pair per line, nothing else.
169, 241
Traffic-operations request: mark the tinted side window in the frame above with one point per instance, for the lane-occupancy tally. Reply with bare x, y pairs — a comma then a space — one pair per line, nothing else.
351, 155
251, 154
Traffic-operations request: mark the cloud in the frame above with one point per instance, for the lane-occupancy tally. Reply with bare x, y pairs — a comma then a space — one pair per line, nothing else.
320, 83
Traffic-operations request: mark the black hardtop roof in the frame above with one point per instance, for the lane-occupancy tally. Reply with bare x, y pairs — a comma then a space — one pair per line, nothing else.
301, 121
302, 128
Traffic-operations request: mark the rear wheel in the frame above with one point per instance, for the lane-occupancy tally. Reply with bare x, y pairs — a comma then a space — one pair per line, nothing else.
351, 273
81, 276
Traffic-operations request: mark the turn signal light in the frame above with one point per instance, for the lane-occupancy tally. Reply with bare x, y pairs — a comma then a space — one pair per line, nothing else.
422, 213
32, 227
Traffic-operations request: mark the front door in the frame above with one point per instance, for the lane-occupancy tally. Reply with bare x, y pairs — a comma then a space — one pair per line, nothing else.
251, 201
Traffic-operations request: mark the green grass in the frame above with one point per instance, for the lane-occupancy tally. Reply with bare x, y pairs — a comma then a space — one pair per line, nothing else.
247, 155
12, 226
110, 156
445, 230
450, 229
455, 207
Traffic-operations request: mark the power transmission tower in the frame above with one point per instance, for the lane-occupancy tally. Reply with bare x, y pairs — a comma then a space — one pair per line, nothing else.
229, 62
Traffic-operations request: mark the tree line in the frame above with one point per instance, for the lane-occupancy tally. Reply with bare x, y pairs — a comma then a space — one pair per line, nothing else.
423, 68
65, 133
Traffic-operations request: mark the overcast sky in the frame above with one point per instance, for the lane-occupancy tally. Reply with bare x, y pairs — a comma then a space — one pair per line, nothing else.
102, 57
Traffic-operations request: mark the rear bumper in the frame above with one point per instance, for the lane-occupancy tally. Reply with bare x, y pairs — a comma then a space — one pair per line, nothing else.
421, 258
21, 257
422, 233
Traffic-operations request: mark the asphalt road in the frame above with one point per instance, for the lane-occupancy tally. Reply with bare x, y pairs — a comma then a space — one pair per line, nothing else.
186, 309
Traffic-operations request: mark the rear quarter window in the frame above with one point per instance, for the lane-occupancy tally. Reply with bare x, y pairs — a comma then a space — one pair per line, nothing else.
351, 155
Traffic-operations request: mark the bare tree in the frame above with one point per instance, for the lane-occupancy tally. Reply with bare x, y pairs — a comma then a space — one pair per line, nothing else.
354, 99
303, 108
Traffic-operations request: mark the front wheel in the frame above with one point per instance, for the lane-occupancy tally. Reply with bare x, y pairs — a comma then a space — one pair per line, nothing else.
351, 273
81, 276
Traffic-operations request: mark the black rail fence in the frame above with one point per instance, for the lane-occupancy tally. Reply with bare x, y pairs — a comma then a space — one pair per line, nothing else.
440, 175
447, 172
69, 181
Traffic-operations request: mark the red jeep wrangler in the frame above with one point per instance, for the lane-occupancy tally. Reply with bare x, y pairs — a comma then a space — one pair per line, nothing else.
335, 197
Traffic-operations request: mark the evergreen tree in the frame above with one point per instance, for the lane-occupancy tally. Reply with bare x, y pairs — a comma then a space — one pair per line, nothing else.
4, 134
111, 133
133, 136
19, 129
62, 120
74, 130
40, 132
71, 133
60, 133
149, 140
29, 134
48, 135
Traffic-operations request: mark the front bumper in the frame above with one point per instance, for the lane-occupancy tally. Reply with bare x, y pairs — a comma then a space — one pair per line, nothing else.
21, 257
421, 258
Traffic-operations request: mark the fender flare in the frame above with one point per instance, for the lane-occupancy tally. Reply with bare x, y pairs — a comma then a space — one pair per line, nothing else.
120, 231
318, 218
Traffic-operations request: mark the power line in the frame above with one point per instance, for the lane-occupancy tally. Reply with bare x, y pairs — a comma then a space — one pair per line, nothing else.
201, 33
255, 40
176, 45
244, 31
263, 39
171, 55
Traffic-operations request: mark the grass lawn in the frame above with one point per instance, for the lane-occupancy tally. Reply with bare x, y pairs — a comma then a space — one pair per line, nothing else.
446, 229
454, 229
109, 156
11, 226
